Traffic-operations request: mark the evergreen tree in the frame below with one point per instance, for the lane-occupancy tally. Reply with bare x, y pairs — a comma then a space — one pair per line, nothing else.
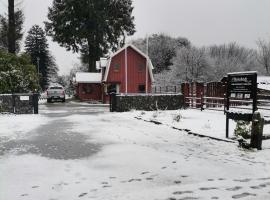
4, 30
17, 74
36, 45
90, 27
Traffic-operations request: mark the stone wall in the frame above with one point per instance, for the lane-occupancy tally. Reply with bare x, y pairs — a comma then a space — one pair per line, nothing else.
6, 104
19, 103
147, 102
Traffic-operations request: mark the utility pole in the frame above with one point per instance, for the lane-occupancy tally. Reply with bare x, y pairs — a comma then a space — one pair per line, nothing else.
38, 59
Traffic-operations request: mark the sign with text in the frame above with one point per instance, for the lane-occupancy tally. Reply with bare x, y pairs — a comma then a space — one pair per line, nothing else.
241, 90
242, 85
24, 98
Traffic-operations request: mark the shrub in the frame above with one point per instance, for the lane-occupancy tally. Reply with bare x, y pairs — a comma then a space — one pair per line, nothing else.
242, 129
17, 74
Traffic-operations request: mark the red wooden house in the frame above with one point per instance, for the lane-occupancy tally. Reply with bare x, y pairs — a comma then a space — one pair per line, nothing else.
127, 71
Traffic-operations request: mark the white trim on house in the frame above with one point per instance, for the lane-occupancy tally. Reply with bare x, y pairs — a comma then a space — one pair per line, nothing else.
146, 78
149, 63
84, 77
126, 68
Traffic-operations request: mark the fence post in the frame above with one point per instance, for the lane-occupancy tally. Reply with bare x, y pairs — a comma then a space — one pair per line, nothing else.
13, 103
35, 102
224, 103
113, 102
175, 89
202, 102
257, 131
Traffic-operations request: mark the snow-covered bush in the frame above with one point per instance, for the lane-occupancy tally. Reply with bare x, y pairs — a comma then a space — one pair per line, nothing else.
242, 129
155, 114
17, 74
177, 117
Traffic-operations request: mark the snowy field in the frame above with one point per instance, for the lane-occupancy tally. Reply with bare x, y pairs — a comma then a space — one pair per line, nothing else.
17, 126
208, 122
135, 160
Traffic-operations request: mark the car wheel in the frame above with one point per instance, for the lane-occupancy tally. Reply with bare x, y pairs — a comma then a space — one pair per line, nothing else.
49, 101
63, 100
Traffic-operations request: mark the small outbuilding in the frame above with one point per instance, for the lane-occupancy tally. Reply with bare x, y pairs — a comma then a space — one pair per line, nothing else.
88, 86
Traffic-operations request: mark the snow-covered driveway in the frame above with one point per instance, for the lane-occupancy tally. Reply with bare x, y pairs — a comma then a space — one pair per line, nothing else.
76, 151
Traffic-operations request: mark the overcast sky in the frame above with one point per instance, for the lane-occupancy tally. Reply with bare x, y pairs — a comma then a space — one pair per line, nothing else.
203, 22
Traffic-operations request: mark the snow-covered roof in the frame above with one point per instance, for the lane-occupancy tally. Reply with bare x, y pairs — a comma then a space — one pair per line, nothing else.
264, 82
149, 63
245, 72
83, 77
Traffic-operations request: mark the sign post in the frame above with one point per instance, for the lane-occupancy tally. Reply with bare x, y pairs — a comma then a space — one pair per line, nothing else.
241, 86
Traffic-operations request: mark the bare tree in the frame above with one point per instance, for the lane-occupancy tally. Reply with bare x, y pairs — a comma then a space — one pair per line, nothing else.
264, 54
191, 63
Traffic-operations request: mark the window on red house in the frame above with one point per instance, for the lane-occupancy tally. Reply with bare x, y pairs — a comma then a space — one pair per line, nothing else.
141, 88
116, 67
87, 89
141, 67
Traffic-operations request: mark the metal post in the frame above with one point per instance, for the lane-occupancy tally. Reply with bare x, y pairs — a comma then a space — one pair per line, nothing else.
227, 107
13, 103
227, 126
35, 102
255, 94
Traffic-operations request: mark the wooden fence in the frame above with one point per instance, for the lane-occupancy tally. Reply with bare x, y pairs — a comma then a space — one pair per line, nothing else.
212, 96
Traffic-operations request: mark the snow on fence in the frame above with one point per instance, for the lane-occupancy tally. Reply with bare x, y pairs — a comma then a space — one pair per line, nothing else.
173, 89
211, 96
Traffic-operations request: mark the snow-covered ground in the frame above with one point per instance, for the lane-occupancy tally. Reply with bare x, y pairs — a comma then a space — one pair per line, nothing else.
209, 122
139, 161
14, 127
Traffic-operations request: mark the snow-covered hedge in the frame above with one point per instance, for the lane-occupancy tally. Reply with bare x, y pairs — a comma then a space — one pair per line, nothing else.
148, 102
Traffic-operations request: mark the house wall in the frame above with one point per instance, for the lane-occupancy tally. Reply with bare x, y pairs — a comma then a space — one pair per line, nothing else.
89, 91
136, 71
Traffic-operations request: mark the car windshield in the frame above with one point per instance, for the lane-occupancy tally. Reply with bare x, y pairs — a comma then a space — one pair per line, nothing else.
56, 88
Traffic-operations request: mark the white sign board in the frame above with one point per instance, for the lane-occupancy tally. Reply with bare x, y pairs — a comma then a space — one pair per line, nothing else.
24, 98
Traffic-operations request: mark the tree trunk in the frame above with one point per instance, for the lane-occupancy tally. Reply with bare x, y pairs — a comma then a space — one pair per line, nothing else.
92, 65
91, 58
11, 27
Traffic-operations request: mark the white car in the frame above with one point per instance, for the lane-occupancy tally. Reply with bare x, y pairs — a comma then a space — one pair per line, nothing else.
56, 93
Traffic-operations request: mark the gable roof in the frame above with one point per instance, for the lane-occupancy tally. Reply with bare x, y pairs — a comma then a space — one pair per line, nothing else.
84, 77
149, 63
